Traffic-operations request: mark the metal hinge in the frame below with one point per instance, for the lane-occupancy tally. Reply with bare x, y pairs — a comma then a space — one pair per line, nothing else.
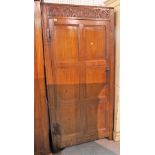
50, 29
48, 33
56, 129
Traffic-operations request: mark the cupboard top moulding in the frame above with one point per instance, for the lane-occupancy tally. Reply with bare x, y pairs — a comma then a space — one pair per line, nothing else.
78, 11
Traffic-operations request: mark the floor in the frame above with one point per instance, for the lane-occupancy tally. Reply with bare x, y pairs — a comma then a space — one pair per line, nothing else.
99, 147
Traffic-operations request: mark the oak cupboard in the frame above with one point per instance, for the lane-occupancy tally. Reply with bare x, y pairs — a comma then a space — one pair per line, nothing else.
79, 65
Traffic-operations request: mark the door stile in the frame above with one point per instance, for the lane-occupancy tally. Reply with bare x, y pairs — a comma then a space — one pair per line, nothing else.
47, 39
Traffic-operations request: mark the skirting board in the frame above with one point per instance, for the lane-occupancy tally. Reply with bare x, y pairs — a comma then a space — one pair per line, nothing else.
116, 136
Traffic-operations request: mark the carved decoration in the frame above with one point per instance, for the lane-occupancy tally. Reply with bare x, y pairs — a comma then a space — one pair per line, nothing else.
76, 11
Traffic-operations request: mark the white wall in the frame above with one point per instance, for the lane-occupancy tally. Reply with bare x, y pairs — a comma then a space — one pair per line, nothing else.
78, 2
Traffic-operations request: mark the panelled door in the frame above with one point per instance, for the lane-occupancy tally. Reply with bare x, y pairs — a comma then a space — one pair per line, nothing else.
77, 63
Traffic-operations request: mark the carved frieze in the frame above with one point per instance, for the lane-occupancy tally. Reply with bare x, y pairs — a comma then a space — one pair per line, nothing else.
81, 12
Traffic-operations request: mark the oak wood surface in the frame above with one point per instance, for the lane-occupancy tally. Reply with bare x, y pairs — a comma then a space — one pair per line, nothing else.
41, 123
79, 62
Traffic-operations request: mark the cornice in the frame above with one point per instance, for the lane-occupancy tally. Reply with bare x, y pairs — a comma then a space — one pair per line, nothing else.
57, 10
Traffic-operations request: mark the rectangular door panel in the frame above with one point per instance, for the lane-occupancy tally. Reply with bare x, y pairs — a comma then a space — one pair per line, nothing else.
65, 40
70, 119
95, 80
97, 111
94, 37
67, 83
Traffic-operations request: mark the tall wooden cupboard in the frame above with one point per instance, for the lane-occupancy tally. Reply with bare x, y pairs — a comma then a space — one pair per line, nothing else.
79, 65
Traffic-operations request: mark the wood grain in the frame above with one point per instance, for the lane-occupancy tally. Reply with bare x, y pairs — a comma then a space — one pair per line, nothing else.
79, 64
41, 127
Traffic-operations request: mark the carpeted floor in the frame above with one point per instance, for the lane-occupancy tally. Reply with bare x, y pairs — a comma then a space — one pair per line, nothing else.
99, 147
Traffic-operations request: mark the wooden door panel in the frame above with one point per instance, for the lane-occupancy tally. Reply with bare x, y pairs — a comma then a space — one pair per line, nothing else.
97, 111
95, 80
95, 77
70, 119
94, 37
65, 40
95, 74
91, 111
67, 83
